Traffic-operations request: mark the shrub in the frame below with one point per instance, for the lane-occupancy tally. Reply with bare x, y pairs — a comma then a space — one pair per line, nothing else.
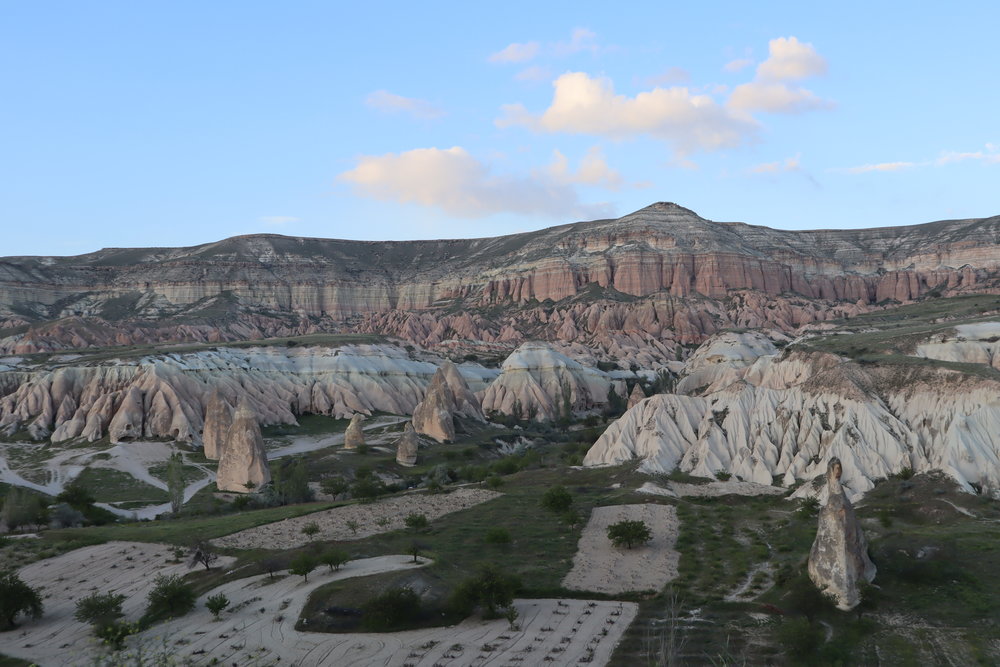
809, 508
216, 603
99, 609
557, 499
497, 535
302, 564
17, 597
334, 486
334, 558
628, 533
392, 610
494, 481
416, 521
310, 530
490, 589
170, 597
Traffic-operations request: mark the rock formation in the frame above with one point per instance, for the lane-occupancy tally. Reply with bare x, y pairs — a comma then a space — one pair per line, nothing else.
166, 396
785, 413
447, 396
838, 561
243, 466
218, 422
682, 267
637, 395
354, 436
537, 382
406, 446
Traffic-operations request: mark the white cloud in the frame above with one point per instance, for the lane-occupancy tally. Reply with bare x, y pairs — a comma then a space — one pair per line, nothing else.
386, 102
774, 98
277, 219
881, 166
790, 60
516, 53
737, 65
461, 185
670, 76
989, 156
534, 74
585, 105
789, 164
581, 39
593, 170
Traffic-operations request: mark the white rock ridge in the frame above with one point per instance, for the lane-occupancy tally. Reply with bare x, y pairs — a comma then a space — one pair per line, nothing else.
537, 382
789, 414
167, 395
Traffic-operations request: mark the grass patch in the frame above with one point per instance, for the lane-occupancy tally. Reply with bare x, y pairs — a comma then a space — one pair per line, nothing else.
108, 485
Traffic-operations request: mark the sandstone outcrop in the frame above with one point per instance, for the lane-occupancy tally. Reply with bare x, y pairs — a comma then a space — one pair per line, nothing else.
447, 396
218, 423
406, 446
685, 268
787, 413
537, 382
637, 395
838, 560
354, 436
165, 395
243, 466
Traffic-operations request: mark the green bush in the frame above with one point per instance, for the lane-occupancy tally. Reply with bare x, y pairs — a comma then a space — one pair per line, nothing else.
416, 521
497, 535
170, 597
99, 609
557, 499
392, 610
302, 565
490, 589
334, 558
17, 597
216, 603
629, 533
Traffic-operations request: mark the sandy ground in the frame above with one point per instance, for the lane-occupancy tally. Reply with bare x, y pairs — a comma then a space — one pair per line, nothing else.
712, 489
598, 566
127, 568
258, 627
333, 523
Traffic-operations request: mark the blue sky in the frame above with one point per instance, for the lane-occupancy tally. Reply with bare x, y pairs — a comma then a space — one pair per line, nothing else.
152, 124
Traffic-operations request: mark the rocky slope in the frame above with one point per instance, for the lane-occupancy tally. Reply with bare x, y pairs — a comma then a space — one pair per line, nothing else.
784, 415
168, 395
660, 274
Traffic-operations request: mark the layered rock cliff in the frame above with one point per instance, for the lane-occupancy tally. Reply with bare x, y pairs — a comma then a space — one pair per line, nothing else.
265, 285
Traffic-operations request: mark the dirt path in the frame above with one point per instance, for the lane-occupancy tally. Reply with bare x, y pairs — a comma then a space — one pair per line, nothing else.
598, 566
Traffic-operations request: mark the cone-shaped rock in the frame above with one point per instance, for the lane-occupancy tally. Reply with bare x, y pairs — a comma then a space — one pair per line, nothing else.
839, 559
406, 447
243, 458
218, 422
354, 437
637, 395
448, 395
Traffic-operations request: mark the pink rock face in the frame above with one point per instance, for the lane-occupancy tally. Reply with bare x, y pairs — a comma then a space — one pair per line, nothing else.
447, 396
406, 447
218, 423
354, 436
635, 397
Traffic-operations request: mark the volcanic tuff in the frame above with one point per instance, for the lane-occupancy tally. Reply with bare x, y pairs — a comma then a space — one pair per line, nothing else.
264, 285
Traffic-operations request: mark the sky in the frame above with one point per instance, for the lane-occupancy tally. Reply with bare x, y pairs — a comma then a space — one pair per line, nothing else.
177, 123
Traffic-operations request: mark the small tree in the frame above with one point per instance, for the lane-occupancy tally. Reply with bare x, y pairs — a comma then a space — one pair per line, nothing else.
17, 597
272, 565
175, 482
302, 565
392, 610
99, 609
353, 526
216, 603
415, 549
170, 597
416, 521
334, 486
202, 553
629, 533
66, 516
310, 530
334, 559
490, 589
557, 499
367, 489
76, 495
